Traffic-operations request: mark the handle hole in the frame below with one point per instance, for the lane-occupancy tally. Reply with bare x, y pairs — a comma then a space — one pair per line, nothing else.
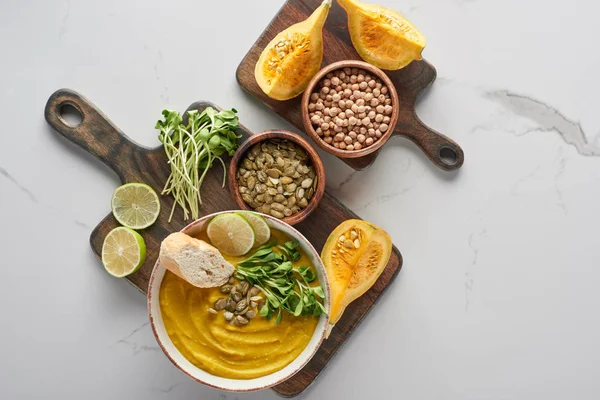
448, 156
70, 115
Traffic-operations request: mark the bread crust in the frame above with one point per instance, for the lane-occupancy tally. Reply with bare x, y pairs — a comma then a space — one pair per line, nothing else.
194, 260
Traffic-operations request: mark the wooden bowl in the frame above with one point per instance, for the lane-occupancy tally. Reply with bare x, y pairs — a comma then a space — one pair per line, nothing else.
373, 71
292, 137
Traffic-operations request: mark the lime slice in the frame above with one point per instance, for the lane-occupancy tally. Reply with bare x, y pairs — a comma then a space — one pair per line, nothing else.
123, 252
231, 234
262, 232
135, 205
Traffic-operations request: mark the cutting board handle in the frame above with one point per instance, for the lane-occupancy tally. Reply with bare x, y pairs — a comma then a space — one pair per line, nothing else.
96, 134
440, 149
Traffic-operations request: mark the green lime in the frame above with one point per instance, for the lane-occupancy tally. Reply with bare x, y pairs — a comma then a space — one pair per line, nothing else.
135, 205
231, 234
262, 232
123, 252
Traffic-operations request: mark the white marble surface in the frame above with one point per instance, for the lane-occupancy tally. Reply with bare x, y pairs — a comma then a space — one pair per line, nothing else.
498, 298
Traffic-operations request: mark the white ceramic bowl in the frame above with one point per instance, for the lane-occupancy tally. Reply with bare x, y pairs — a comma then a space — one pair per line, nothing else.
237, 385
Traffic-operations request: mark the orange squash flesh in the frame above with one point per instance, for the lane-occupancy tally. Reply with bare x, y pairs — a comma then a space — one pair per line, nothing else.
352, 270
382, 36
293, 57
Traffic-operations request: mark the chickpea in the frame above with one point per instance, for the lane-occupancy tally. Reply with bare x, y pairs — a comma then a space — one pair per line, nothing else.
329, 97
322, 95
362, 130
327, 118
315, 119
371, 83
360, 102
378, 133
344, 85
342, 75
329, 75
314, 96
328, 139
368, 96
338, 88
348, 140
362, 115
354, 108
353, 79
331, 125
342, 115
365, 121
387, 102
383, 127
371, 132
361, 138
327, 104
350, 147
342, 104
319, 113
370, 126
376, 92
357, 146
335, 81
358, 94
341, 145
386, 120
380, 109
354, 71
388, 109
345, 123
324, 126
369, 141
339, 137
325, 90
336, 97
333, 111
337, 128
354, 88
372, 114
381, 98
360, 78
378, 84
336, 145
352, 121
374, 102
311, 107
352, 98
319, 131
349, 113
363, 85
376, 126
379, 118
384, 90
360, 109
327, 83
347, 93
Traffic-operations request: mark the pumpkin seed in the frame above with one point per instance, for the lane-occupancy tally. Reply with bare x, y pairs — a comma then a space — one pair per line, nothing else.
226, 289
245, 286
287, 212
237, 296
309, 193
303, 202
230, 306
277, 207
305, 183
212, 310
286, 180
277, 214
220, 304
250, 314
241, 320
300, 193
228, 315
231, 281
274, 173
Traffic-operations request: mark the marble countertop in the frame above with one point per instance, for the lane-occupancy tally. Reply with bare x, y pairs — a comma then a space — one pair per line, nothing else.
498, 297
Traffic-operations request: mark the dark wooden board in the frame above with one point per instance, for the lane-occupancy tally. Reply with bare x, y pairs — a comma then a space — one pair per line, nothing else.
409, 82
133, 163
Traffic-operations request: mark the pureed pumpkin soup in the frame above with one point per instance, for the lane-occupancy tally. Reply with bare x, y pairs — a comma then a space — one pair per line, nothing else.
219, 331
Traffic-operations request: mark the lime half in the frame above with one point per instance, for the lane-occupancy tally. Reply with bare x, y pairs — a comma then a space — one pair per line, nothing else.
231, 234
262, 232
123, 252
135, 205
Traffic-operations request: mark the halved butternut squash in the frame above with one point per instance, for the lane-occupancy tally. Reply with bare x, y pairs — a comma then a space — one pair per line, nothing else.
354, 255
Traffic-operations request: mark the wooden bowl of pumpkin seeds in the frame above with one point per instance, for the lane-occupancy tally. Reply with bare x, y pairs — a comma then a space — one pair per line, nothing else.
277, 173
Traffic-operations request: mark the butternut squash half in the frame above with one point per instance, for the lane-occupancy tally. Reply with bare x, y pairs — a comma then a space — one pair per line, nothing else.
354, 255
293, 57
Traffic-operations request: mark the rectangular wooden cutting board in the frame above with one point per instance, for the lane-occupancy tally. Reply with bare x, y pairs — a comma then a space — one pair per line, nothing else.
133, 163
410, 82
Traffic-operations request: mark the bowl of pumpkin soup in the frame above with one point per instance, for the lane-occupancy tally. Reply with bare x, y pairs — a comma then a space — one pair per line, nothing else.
257, 329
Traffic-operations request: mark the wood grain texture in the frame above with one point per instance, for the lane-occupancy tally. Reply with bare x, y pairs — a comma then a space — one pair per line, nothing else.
133, 163
409, 82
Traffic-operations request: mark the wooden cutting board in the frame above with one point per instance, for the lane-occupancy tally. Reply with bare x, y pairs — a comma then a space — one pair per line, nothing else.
133, 163
409, 81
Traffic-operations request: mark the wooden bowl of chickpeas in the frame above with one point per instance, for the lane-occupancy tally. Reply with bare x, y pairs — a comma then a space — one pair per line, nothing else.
350, 108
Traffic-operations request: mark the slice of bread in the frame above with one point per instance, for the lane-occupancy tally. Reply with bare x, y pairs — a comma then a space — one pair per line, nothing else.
194, 260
